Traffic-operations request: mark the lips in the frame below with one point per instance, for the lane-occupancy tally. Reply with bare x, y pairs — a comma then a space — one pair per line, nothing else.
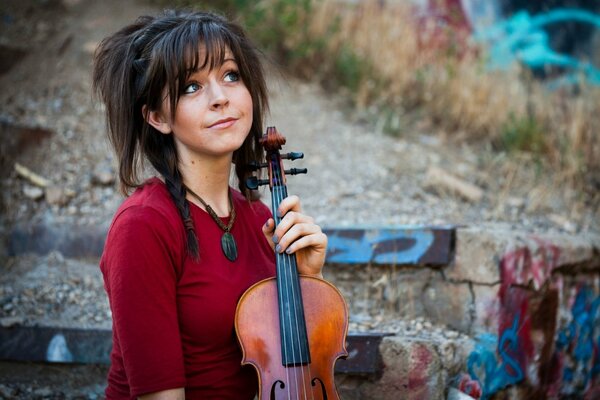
223, 123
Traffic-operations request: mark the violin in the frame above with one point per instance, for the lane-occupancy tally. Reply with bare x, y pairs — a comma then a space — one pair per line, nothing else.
291, 328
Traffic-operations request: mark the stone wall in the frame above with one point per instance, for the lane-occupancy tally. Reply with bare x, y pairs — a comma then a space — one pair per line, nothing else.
530, 303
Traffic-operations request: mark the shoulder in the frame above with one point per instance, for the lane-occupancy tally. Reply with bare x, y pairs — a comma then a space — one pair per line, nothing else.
146, 227
149, 207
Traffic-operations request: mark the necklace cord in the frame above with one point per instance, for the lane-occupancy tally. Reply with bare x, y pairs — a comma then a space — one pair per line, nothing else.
228, 244
212, 212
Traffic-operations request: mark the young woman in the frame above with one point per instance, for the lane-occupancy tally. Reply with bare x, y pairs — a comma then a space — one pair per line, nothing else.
185, 91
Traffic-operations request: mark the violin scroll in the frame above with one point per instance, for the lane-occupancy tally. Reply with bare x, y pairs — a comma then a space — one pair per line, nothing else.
272, 141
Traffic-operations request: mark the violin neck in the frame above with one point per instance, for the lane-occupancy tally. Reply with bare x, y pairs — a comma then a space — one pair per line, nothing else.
294, 339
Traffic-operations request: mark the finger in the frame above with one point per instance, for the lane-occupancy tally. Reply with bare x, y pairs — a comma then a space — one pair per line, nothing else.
290, 219
290, 203
295, 233
268, 229
316, 240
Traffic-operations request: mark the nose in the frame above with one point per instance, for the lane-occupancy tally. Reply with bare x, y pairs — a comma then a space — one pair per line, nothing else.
218, 98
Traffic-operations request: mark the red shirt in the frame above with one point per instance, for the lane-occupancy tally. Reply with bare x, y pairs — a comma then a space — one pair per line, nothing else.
173, 318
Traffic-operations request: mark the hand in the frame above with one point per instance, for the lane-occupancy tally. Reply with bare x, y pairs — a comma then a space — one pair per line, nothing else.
298, 234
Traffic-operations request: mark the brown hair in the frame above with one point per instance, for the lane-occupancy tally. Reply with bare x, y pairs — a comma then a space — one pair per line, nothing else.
133, 67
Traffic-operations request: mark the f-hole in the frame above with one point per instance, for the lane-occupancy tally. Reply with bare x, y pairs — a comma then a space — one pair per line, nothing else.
273, 388
323, 391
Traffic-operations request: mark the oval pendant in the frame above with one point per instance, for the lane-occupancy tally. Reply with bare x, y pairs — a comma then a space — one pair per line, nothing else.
229, 247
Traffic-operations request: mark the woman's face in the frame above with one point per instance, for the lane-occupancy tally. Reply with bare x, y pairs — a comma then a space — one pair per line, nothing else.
213, 115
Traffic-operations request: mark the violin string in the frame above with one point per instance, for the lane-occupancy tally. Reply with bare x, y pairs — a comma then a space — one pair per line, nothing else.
275, 200
288, 267
286, 286
297, 317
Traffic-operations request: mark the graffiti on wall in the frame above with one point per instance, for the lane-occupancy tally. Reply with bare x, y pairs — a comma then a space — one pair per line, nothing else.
530, 346
527, 34
493, 363
390, 246
523, 38
579, 343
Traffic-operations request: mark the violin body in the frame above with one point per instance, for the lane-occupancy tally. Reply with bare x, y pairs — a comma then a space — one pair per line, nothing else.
257, 326
291, 328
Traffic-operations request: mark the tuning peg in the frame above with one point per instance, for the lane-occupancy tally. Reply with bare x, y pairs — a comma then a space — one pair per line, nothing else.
253, 182
292, 156
296, 171
255, 166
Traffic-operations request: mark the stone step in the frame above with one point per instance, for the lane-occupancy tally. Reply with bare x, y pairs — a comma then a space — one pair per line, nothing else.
529, 301
348, 246
379, 366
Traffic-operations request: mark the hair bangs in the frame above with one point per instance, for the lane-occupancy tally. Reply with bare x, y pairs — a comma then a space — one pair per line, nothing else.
194, 47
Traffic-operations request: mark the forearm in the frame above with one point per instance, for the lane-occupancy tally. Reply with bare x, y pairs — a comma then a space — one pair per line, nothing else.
171, 394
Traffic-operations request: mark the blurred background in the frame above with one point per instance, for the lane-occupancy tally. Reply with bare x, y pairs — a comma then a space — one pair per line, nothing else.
477, 118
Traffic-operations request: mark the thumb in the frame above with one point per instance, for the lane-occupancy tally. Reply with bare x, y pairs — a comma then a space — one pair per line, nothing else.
268, 228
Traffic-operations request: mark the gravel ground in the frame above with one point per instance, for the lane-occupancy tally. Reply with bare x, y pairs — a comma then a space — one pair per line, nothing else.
357, 174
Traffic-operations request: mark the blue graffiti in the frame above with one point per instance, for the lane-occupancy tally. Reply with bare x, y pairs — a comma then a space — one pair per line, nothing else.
483, 361
363, 249
58, 350
581, 338
522, 38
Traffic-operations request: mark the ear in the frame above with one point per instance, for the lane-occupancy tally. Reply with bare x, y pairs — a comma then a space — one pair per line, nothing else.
157, 120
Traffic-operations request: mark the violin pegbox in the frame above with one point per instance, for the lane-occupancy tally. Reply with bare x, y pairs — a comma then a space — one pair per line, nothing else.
272, 141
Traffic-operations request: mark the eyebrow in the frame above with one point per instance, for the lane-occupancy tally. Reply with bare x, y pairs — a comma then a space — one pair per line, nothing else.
193, 71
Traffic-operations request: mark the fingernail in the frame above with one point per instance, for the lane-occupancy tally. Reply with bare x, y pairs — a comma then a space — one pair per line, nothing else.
279, 214
267, 224
288, 250
275, 239
278, 248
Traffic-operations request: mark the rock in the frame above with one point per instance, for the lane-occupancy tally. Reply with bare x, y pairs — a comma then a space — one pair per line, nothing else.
440, 180
6, 392
103, 175
58, 196
7, 322
563, 222
455, 394
451, 334
32, 192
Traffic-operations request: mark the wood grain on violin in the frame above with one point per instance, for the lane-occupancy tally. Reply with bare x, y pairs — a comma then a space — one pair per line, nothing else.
291, 328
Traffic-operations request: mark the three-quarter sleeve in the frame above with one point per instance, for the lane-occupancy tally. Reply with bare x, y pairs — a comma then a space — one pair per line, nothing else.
140, 271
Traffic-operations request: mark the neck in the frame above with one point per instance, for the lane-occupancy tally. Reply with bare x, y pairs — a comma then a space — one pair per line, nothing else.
209, 179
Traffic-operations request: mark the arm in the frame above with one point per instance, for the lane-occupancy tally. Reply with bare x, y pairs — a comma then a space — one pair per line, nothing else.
297, 233
139, 267
171, 394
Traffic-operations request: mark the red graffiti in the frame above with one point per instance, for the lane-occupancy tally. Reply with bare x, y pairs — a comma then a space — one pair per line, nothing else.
443, 26
469, 386
526, 290
418, 376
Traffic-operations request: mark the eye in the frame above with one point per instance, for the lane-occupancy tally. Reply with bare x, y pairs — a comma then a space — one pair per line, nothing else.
192, 88
232, 76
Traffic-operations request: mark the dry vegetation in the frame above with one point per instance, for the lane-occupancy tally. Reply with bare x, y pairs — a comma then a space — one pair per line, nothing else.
412, 64
405, 68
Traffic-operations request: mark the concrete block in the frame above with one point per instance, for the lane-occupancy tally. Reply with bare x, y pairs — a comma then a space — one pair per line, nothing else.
572, 249
480, 252
487, 308
478, 255
449, 303
410, 285
413, 371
